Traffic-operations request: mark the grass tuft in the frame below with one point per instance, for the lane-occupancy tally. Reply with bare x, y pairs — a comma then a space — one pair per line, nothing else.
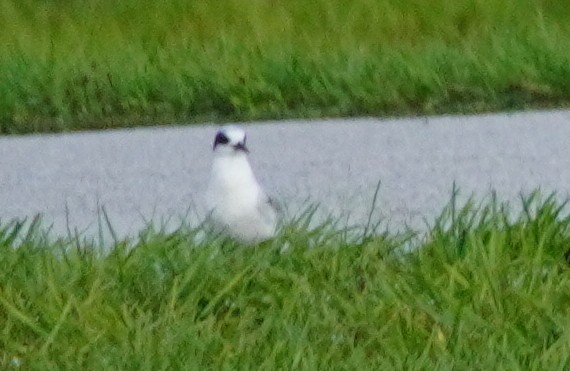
486, 286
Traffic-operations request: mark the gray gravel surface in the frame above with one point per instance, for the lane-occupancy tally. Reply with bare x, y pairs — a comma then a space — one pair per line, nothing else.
160, 174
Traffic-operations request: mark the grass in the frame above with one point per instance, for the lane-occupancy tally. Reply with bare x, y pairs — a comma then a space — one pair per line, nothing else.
100, 63
485, 288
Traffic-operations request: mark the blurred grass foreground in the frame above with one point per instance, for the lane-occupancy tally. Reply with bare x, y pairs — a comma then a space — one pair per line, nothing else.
486, 288
68, 65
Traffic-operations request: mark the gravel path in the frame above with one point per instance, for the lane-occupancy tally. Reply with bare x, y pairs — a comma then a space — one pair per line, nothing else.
161, 173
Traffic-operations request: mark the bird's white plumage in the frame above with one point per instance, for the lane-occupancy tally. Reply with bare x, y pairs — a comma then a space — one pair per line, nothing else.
237, 203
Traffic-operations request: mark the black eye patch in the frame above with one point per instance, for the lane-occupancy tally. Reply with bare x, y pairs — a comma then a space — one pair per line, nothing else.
220, 139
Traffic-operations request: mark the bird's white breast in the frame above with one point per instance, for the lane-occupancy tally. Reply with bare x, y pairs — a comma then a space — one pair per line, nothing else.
235, 197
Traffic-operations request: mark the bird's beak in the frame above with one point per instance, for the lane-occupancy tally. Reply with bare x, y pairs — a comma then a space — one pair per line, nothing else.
241, 147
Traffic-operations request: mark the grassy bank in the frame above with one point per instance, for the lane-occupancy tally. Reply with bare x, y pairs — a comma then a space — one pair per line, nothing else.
480, 290
96, 64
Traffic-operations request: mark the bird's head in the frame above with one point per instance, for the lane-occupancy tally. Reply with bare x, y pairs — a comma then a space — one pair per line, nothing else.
230, 139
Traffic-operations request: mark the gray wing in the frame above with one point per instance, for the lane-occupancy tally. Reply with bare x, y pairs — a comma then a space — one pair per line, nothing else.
274, 204
269, 208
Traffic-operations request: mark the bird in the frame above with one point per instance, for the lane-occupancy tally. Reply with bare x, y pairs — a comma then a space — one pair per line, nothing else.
238, 206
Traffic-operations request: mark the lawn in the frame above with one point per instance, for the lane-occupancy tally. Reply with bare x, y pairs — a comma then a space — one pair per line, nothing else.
484, 287
99, 63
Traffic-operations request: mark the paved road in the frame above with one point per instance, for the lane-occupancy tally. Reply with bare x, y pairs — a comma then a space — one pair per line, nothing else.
161, 173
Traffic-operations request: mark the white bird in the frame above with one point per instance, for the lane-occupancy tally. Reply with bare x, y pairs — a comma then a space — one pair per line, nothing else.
237, 203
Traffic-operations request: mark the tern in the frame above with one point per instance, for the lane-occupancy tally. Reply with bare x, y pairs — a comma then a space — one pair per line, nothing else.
238, 205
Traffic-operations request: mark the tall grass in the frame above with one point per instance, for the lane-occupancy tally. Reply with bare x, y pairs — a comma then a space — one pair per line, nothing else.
102, 63
484, 288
